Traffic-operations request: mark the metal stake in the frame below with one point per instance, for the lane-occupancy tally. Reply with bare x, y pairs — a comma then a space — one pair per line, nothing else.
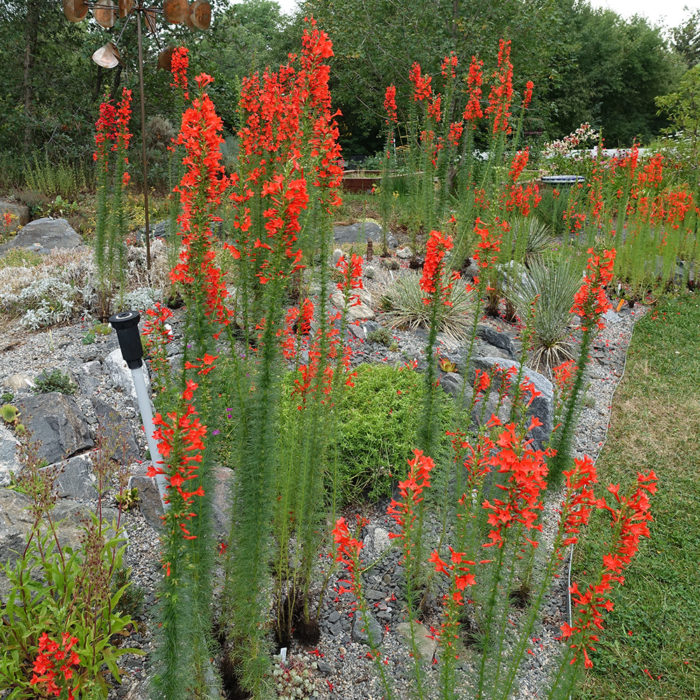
143, 138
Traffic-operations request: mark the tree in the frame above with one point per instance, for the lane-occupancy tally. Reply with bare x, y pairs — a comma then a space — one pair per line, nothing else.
686, 39
610, 71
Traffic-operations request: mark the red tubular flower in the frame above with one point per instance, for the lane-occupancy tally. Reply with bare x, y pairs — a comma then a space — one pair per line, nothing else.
200, 192
180, 437
347, 553
527, 470
629, 522
488, 246
179, 63
473, 110
106, 133
435, 108
449, 65
421, 84
431, 281
527, 95
590, 302
390, 104
404, 511
501, 94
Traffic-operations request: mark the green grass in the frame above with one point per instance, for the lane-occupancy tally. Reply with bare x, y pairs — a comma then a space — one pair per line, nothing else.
656, 425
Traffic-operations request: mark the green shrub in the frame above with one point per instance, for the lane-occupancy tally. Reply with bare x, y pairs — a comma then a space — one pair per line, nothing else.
377, 430
18, 257
54, 380
381, 336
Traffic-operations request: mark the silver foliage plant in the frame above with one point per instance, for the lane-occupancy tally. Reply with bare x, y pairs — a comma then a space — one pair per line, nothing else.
405, 308
551, 284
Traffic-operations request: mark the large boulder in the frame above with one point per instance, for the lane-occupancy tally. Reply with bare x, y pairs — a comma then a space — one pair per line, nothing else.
55, 424
542, 406
118, 439
74, 478
43, 235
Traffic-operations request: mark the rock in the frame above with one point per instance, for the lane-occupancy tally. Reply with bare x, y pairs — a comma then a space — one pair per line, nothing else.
149, 502
357, 331
452, 383
381, 540
361, 231
333, 617
87, 376
337, 254
362, 635
16, 522
19, 382
74, 478
120, 374
542, 407
360, 312
611, 317
498, 340
118, 439
223, 483
390, 263
43, 235
9, 464
56, 424
356, 312
18, 212
425, 644
370, 327
325, 668
404, 253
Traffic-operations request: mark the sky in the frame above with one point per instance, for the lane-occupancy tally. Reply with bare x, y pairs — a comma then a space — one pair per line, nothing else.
668, 12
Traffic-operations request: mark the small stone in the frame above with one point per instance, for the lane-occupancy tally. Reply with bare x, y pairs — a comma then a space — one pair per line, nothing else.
372, 594
120, 374
333, 617
404, 253
361, 635
337, 254
325, 668
381, 540
19, 382
425, 645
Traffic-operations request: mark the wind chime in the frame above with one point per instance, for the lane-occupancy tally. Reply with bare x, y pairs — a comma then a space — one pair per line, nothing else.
194, 15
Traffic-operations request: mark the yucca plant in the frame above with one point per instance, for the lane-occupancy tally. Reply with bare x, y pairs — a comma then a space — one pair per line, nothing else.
530, 238
552, 283
406, 309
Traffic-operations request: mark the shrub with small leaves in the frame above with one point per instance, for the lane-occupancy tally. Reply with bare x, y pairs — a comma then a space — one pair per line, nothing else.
54, 380
381, 336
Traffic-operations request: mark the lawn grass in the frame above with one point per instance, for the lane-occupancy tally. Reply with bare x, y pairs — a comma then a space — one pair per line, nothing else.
651, 645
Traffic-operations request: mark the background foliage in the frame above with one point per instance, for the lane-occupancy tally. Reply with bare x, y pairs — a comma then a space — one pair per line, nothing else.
587, 65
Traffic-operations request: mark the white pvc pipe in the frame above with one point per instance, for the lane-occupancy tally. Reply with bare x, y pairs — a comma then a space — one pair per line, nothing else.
144, 402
